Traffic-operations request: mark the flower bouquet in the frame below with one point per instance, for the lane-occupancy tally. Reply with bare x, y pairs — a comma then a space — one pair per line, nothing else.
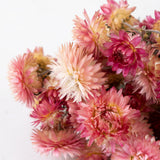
99, 97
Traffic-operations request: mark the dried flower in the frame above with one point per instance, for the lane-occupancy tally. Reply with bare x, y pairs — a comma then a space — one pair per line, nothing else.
23, 78
115, 14
92, 152
78, 73
124, 53
106, 117
138, 148
91, 34
51, 111
60, 143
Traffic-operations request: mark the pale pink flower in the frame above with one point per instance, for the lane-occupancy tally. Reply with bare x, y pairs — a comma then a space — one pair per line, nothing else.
138, 148
146, 84
91, 34
125, 53
116, 13
146, 80
137, 124
78, 74
60, 143
105, 118
23, 78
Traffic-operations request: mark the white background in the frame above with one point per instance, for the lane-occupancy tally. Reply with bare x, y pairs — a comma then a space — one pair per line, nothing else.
26, 24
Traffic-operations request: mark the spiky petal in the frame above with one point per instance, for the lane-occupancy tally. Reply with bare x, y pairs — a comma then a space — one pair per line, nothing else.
78, 74
125, 53
105, 118
60, 143
91, 34
116, 13
92, 152
24, 79
51, 111
138, 148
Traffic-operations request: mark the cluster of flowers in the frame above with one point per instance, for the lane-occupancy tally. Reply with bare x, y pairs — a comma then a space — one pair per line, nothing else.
99, 98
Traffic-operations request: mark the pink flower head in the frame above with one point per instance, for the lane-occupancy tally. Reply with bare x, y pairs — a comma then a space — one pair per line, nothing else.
138, 148
149, 21
153, 23
78, 74
124, 53
146, 83
51, 111
90, 34
137, 125
116, 13
105, 117
92, 152
24, 79
60, 143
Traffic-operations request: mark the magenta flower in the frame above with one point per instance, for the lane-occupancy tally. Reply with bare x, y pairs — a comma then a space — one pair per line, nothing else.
125, 53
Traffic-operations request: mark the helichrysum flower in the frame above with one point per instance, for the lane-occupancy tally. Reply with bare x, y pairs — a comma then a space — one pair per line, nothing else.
137, 124
105, 118
91, 34
138, 148
60, 143
42, 61
137, 100
154, 24
125, 53
78, 74
51, 111
117, 13
24, 79
146, 80
92, 152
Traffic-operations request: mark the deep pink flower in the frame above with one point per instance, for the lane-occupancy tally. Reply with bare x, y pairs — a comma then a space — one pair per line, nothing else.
125, 53
105, 118
137, 100
138, 148
24, 79
60, 143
